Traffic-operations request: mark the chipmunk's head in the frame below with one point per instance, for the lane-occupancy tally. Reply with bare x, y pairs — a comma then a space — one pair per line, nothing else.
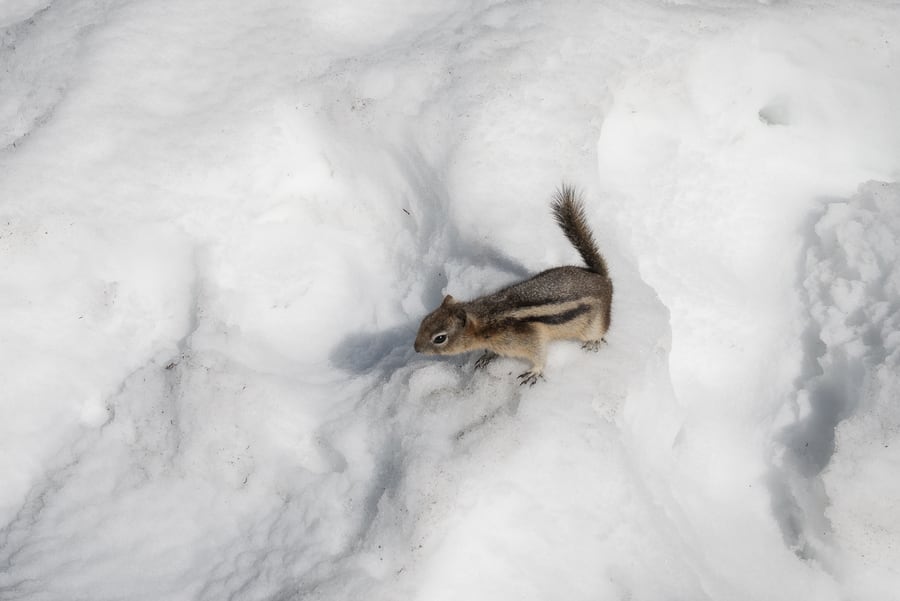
442, 331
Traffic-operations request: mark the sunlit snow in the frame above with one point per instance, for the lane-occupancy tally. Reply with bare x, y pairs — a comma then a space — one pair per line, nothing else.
221, 222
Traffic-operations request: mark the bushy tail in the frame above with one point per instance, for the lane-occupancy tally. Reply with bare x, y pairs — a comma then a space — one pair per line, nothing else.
569, 213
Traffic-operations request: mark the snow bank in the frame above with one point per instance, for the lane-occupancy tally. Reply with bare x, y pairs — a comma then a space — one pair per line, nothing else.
221, 224
719, 154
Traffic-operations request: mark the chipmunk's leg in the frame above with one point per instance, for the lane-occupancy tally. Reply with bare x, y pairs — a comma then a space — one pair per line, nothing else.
534, 353
592, 336
485, 359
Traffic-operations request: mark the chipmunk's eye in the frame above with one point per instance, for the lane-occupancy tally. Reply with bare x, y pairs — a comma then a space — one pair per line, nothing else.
439, 339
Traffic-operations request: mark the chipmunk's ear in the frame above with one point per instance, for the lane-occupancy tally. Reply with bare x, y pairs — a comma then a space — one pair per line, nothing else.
457, 311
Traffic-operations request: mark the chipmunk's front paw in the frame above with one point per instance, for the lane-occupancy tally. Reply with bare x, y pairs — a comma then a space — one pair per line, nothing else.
484, 359
530, 377
593, 345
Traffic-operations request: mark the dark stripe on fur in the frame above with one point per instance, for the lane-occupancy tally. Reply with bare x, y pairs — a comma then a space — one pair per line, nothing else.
516, 304
569, 213
559, 318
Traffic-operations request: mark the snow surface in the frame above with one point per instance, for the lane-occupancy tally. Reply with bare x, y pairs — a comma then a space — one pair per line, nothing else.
220, 223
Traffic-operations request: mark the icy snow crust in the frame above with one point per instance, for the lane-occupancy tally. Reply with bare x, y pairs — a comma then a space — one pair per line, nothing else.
220, 223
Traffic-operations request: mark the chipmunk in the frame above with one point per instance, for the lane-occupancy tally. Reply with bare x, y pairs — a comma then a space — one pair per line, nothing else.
563, 303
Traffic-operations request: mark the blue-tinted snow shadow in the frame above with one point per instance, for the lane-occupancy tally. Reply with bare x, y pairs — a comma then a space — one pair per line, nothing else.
388, 350
808, 443
798, 497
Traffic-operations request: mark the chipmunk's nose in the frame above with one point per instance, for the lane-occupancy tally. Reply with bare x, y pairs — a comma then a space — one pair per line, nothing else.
417, 346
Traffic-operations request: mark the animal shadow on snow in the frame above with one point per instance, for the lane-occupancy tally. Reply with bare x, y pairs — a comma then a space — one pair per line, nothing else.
387, 350
391, 349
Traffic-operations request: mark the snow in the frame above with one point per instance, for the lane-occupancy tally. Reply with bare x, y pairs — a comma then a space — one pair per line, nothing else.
220, 224
852, 288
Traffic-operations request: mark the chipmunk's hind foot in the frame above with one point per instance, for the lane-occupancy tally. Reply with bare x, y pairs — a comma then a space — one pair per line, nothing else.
593, 345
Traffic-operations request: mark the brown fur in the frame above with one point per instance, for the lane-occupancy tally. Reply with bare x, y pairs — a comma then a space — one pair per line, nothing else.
564, 303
